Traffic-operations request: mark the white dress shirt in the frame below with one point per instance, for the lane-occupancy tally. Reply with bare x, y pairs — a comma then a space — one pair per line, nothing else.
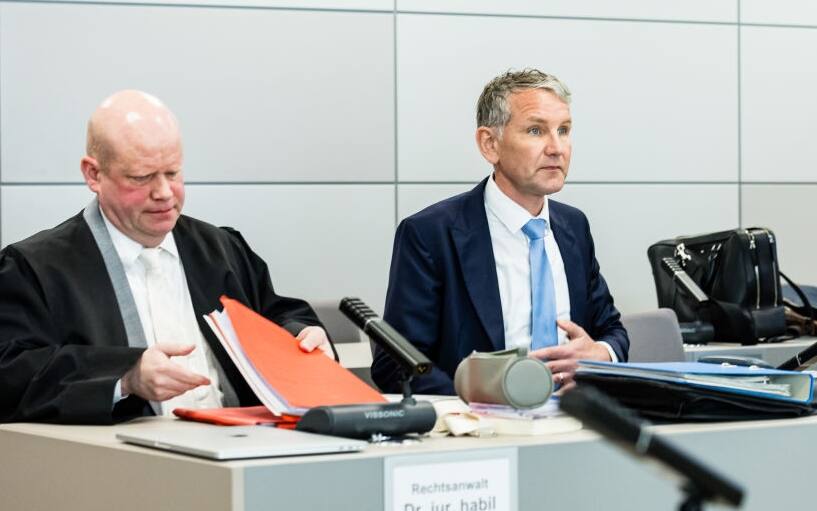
511, 255
201, 360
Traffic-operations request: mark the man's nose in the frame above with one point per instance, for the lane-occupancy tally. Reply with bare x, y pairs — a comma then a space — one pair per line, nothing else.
161, 188
554, 145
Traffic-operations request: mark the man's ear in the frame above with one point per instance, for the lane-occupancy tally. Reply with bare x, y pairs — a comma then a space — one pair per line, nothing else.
487, 142
91, 172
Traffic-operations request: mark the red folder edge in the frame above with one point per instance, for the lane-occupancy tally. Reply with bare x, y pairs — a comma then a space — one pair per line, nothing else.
238, 416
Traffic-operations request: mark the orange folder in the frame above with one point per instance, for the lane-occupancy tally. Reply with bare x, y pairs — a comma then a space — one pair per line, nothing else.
303, 380
238, 416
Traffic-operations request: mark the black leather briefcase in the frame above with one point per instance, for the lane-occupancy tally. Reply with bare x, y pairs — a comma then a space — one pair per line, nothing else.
739, 273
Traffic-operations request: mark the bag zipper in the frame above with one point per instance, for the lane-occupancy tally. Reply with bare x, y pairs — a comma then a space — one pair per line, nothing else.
776, 281
753, 249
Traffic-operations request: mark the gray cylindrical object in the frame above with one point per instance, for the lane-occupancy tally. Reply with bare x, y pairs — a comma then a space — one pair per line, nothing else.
504, 377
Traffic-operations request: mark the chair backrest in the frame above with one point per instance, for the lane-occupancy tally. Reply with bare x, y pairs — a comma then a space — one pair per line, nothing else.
339, 328
654, 336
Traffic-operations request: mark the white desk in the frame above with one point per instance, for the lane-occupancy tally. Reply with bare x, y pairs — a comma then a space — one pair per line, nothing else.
47, 467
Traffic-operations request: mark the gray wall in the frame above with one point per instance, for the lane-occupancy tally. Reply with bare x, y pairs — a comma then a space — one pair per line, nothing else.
315, 126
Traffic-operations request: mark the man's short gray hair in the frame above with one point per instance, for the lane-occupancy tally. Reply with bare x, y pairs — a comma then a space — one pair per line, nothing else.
492, 108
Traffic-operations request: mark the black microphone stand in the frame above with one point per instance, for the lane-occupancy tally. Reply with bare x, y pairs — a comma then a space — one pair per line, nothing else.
693, 500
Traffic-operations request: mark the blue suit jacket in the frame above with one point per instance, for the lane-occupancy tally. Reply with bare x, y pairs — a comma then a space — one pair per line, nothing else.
443, 294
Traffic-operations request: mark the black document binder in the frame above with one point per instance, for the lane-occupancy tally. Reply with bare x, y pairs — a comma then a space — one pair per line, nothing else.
668, 398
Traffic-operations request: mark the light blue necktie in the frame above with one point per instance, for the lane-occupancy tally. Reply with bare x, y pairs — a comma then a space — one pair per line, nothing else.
543, 295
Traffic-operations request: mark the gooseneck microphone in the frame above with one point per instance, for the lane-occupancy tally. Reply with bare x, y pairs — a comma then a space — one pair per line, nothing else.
374, 420
602, 414
398, 348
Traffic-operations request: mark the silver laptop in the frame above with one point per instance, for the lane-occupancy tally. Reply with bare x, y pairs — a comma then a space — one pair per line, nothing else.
236, 442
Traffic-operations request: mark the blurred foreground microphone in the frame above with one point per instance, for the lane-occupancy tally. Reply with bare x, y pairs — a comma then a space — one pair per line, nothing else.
370, 420
600, 413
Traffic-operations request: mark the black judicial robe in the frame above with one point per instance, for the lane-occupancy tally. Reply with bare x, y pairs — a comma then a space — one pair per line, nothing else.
63, 344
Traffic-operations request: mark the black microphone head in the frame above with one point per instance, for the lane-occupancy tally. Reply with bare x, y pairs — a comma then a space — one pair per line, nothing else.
357, 311
384, 335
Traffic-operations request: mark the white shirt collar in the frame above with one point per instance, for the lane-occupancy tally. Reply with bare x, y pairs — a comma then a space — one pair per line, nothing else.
512, 215
128, 249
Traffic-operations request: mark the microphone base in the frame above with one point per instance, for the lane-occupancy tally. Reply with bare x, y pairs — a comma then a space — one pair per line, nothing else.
365, 420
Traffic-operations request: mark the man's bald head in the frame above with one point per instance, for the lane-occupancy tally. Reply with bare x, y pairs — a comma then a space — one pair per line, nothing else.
130, 119
134, 165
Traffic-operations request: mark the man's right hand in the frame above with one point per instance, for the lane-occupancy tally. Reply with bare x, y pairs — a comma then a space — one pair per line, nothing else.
156, 378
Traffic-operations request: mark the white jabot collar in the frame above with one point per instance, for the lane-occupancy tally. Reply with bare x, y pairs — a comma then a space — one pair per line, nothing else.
128, 249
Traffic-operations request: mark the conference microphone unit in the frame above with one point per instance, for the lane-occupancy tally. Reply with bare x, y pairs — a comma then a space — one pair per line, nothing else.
398, 348
364, 421
600, 413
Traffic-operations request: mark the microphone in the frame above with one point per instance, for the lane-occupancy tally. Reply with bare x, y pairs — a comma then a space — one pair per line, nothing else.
600, 413
801, 360
364, 421
403, 352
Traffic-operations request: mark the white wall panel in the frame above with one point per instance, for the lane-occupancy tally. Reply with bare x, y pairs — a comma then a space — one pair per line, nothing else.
651, 101
779, 77
788, 211
627, 219
316, 245
787, 12
321, 242
262, 95
380, 5
693, 10
27, 210
414, 198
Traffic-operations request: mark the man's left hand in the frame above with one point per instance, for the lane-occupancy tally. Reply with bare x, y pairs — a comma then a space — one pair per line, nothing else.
313, 337
561, 360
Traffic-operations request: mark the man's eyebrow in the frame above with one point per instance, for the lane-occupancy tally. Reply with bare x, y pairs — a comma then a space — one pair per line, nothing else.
540, 120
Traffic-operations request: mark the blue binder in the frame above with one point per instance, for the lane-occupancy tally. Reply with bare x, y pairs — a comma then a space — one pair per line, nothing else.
698, 391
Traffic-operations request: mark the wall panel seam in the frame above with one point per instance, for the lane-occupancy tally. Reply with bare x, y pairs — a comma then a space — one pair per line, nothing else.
1, 133
567, 18
249, 6
740, 123
396, 139
440, 183
778, 25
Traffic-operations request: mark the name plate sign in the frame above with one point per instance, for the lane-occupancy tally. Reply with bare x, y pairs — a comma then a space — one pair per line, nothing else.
453, 481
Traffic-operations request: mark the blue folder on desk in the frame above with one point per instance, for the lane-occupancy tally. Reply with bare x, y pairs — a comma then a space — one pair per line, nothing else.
698, 391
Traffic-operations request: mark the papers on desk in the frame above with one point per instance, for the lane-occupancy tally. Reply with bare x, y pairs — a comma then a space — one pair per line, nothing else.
544, 420
478, 419
284, 378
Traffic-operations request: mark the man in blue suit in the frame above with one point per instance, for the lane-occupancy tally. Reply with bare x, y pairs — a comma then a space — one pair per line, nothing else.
503, 266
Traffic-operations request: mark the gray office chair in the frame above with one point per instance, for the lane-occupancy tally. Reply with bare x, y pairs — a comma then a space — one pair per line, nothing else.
337, 326
654, 336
